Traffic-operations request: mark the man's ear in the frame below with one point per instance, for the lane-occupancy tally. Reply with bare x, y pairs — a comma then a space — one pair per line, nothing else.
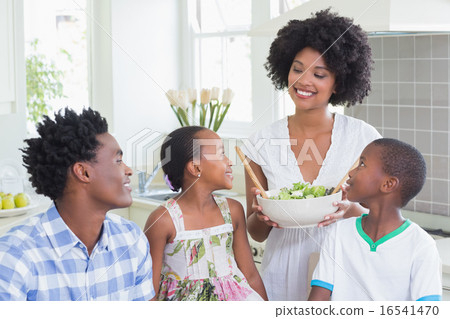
81, 172
390, 184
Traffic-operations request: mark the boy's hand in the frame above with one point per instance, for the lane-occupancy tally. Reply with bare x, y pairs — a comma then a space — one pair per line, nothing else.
319, 294
342, 207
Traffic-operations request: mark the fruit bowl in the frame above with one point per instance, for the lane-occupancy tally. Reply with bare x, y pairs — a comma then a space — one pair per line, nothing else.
13, 205
295, 213
17, 211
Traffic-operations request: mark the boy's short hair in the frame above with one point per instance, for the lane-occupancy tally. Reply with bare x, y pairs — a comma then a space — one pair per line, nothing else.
62, 142
406, 163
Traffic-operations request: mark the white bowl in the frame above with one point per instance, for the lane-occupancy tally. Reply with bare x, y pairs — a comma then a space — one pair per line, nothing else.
295, 213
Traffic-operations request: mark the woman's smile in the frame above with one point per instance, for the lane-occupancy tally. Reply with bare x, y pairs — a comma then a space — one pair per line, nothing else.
304, 94
311, 83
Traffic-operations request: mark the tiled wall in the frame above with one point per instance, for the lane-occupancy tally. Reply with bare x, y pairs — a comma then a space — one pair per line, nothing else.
410, 101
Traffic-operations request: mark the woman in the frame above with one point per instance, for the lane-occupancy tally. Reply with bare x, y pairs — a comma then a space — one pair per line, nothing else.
321, 60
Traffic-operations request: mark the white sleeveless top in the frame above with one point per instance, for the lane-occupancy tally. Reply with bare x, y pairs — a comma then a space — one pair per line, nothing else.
284, 265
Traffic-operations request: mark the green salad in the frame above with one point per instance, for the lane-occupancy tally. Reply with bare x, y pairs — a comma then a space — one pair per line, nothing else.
302, 191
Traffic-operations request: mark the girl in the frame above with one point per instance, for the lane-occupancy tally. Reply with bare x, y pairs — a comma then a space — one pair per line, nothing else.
321, 60
198, 240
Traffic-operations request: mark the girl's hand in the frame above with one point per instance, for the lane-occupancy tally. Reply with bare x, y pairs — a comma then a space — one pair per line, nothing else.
257, 210
342, 207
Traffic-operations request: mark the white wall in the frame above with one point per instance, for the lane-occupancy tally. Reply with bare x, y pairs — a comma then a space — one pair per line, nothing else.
144, 56
41, 26
264, 100
145, 63
13, 126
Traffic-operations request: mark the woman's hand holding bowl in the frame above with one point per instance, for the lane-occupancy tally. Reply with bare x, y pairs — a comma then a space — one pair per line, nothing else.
258, 210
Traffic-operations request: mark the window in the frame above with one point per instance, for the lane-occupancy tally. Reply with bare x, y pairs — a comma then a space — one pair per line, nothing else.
278, 7
221, 50
222, 54
55, 32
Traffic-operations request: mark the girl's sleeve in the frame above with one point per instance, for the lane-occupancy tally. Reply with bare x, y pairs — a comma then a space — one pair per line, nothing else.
426, 276
323, 275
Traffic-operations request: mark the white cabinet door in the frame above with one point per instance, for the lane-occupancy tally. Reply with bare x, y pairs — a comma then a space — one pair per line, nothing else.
122, 212
7, 62
445, 295
139, 214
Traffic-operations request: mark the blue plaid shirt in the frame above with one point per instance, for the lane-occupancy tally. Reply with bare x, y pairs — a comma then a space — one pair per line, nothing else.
44, 260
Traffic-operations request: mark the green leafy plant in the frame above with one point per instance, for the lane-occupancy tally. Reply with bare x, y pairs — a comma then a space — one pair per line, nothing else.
43, 83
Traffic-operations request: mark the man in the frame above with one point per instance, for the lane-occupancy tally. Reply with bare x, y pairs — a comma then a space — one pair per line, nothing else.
75, 251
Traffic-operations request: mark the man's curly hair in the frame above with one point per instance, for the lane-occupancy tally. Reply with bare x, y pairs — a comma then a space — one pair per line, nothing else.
68, 139
344, 47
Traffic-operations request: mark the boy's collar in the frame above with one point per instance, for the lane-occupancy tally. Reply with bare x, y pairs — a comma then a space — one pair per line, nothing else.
373, 245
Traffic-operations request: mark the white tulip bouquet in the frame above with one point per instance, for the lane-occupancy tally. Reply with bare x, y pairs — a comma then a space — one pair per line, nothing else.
210, 112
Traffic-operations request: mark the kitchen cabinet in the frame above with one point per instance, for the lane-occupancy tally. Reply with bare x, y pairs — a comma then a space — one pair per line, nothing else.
445, 294
443, 246
140, 210
122, 212
7, 57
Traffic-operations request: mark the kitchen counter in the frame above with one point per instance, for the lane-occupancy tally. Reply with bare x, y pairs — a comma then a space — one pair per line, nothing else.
437, 226
42, 204
443, 246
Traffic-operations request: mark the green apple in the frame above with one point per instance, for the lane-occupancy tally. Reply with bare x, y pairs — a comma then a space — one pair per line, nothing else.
2, 194
8, 202
21, 200
1, 205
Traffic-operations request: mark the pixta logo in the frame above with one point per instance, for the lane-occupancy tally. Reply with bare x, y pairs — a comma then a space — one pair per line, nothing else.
143, 150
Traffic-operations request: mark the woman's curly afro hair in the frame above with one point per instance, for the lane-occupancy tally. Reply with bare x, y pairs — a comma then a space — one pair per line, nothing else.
68, 139
344, 47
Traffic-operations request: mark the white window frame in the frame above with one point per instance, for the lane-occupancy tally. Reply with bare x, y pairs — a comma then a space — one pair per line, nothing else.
263, 112
99, 46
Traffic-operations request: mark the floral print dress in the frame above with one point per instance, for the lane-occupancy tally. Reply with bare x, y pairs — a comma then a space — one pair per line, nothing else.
199, 264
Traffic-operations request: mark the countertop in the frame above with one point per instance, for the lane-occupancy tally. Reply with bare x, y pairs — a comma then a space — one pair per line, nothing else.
38, 205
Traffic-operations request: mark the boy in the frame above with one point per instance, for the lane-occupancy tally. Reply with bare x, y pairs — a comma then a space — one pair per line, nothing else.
380, 255
75, 251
